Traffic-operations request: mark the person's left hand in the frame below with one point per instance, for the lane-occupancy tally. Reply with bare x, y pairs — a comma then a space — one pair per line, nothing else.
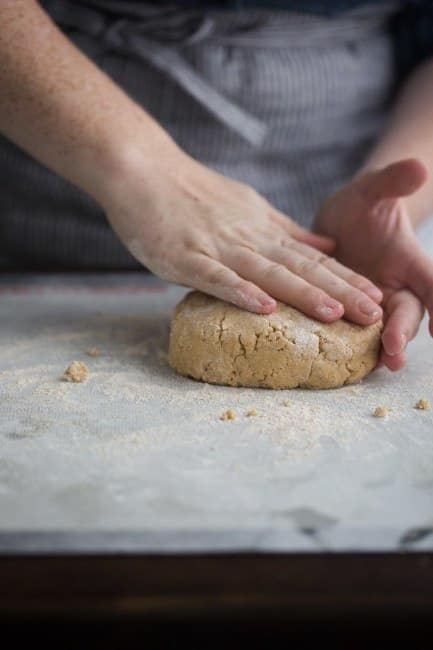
370, 222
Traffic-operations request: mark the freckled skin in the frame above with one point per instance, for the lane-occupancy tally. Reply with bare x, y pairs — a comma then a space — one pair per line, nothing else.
185, 222
58, 105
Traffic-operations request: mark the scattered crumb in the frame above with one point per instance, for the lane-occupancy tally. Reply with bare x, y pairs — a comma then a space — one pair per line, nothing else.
422, 404
93, 352
380, 412
228, 415
77, 371
252, 412
286, 403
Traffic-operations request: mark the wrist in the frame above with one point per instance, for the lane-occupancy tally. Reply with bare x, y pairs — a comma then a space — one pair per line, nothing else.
123, 163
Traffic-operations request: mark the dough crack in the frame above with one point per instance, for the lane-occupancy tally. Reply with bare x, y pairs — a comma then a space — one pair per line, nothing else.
243, 348
221, 328
219, 343
321, 343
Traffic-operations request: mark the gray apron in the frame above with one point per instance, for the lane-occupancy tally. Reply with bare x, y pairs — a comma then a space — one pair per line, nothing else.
288, 103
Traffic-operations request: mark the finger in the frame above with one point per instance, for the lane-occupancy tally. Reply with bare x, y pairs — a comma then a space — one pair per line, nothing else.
279, 282
320, 242
354, 279
404, 315
210, 276
421, 281
358, 307
401, 178
393, 363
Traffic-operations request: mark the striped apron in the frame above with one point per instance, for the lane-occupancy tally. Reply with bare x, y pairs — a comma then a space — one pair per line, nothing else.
288, 103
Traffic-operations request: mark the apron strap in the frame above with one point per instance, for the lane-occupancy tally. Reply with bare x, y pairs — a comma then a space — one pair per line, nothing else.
156, 36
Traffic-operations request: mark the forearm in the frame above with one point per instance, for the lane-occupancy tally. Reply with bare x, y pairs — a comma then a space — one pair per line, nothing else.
58, 106
410, 135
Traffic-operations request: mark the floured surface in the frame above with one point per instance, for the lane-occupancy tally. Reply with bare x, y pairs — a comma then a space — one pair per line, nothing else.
140, 455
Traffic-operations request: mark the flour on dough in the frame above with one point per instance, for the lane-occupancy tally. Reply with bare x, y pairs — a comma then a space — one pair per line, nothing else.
219, 343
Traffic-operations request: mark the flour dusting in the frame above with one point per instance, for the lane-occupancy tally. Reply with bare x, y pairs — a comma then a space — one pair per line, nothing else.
138, 445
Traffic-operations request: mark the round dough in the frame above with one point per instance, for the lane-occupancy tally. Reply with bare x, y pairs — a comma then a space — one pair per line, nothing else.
219, 343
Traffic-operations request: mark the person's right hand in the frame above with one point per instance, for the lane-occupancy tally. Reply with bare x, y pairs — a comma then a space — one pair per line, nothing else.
195, 227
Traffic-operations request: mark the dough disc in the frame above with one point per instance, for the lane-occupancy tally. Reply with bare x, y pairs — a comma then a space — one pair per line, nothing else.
219, 343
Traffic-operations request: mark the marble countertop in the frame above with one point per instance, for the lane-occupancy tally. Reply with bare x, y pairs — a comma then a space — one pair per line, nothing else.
137, 458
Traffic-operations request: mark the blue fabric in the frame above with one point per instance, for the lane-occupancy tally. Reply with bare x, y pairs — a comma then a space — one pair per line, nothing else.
412, 31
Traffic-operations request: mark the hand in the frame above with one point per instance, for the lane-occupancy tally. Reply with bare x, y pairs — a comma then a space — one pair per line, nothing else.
195, 227
369, 220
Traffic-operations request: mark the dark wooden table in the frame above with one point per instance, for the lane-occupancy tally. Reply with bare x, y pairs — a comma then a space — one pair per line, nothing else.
351, 598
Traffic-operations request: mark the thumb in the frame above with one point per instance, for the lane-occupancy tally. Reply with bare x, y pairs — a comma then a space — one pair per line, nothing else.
421, 280
401, 178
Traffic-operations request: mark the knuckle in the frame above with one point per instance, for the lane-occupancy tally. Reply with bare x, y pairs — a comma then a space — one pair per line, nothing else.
273, 268
215, 276
327, 261
287, 243
301, 248
241, 286
362, 285
193, 264
358, 281
356, 298
199, 247
307, 266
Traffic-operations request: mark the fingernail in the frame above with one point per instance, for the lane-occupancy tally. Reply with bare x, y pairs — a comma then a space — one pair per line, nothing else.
328, 309
369, 309
262, 303
267, 302
403, 342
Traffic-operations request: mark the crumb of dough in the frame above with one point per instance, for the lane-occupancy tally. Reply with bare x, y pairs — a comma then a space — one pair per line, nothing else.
93, 352
252, 412
380, 412
286, 403
77, 371
422, 404
228, 415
